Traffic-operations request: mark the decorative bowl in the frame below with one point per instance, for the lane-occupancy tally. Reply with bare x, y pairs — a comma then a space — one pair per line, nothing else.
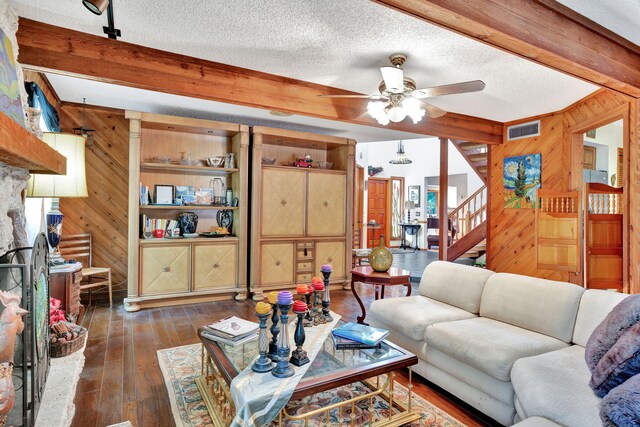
268, 160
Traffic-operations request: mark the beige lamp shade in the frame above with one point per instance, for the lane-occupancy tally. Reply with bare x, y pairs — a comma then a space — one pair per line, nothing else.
74, 183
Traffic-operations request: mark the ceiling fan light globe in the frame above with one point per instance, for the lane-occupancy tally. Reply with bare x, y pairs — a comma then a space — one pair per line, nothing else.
396, 114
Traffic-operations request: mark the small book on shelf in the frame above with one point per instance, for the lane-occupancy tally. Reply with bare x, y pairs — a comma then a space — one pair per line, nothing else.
340, 343
361, 333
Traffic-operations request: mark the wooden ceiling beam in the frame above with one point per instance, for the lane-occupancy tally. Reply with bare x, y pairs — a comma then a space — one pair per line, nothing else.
543, 31
59, 50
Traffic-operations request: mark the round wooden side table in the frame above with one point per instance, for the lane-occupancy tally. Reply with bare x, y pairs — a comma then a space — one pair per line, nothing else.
366, 274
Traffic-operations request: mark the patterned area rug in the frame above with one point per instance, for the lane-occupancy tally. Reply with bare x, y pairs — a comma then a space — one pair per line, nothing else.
181, 365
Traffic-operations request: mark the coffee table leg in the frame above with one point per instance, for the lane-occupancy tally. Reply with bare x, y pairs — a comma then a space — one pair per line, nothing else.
409, 288
360, 319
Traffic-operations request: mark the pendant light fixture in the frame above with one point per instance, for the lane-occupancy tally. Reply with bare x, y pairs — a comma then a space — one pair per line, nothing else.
401, 158
83, 130
96, 6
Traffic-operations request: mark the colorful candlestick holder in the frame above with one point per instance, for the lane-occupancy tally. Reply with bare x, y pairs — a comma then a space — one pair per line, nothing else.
303, 291
275, 329
283, 368
318, 318
309, 317
299, 356
326, 299
263, 364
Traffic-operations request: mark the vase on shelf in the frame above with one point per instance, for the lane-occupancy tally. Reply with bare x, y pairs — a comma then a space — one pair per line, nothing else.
188, 222
381, 258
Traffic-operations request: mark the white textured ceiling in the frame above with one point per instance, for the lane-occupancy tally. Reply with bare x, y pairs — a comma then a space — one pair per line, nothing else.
620, 16
333, 42
73, 89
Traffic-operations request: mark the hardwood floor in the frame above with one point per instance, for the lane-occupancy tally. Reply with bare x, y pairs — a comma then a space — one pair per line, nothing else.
122, 381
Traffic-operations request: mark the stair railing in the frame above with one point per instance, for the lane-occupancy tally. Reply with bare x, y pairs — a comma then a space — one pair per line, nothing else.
470, 213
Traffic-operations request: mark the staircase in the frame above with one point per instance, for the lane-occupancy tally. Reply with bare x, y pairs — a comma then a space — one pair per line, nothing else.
476, 154
470, 221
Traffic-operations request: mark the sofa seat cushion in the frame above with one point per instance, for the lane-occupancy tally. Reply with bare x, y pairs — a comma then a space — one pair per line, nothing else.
488, 345
536, 422
555, 385
411, 315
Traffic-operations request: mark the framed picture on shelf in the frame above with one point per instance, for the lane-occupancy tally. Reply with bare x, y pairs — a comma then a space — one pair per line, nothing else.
164, 194
414, 195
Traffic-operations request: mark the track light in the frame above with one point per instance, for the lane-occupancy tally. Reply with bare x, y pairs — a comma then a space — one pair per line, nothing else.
99, 6
96, 6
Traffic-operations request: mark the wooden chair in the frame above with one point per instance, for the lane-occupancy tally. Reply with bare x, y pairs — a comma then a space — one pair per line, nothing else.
79, 247
358, 254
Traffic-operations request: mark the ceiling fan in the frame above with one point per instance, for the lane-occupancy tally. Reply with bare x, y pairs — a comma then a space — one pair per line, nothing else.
399, 98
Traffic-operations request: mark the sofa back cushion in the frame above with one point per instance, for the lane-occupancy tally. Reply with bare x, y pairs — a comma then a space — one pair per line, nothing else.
542, 306
594, 306
454, 284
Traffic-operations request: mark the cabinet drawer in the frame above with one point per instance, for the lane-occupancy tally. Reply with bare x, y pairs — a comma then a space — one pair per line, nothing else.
215, 266
276, 263
164, 269
305, 254
307, 245
305, 267
304, 278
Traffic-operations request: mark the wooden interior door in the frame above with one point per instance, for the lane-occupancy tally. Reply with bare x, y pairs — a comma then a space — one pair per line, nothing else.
378, 209
603, 236
358, 210
589, 157
558, 225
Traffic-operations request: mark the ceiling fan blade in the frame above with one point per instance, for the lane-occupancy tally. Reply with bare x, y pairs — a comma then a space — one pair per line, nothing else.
432, 111
393, 79
471, 86
376, 97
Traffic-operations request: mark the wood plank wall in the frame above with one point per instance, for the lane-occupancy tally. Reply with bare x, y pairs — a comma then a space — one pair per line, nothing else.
104, 212
511, 231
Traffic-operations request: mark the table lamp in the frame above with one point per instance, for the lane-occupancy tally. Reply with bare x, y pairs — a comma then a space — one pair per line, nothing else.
73, 184
408, 205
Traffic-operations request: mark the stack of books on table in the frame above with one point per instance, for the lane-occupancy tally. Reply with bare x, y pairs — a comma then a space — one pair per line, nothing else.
352, 336
231, 330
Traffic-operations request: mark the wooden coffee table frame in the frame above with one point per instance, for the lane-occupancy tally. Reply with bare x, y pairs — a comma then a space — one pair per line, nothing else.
218, 372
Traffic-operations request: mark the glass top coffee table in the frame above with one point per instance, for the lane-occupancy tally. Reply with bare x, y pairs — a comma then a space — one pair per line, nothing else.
329, 370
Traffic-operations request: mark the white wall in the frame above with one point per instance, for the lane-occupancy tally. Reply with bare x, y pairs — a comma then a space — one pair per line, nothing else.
425, 154
607, 141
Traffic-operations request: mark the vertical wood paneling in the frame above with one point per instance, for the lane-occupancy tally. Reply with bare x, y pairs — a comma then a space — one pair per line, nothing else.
104, 212
634, 197
512, 231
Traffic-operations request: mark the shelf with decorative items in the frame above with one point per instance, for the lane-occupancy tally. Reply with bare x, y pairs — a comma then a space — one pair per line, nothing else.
295, 232
188, 185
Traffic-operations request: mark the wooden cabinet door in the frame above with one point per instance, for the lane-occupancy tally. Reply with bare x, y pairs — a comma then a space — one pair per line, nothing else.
331, 253
164, 269
283, 196
326, 204
589, 158
276, 263
215, 266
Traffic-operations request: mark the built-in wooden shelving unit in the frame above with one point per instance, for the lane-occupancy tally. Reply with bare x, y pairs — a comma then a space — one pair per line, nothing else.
167, 271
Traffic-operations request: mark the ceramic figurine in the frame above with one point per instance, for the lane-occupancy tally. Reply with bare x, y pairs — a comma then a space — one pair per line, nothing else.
10, 324
275, 329
326, 299
263, 364
299, 356
283, 368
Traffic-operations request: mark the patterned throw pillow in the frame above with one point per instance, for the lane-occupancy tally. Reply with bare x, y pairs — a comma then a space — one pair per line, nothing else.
613, 350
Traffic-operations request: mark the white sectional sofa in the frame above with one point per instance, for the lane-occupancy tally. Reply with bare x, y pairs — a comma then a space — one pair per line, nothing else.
511, 346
